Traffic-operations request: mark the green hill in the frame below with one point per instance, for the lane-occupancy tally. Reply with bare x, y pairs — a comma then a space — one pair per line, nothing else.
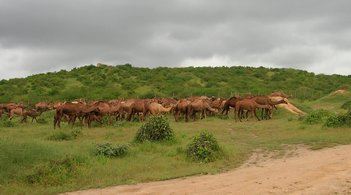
126, 81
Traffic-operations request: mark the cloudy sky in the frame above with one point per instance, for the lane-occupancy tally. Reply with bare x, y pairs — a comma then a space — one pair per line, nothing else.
46, 35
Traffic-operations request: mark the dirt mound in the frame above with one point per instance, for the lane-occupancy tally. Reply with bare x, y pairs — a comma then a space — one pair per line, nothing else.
289, 106
279, 94
326, 171
340, 92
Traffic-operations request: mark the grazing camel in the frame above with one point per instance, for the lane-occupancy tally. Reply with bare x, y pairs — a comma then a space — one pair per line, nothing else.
265, 100
200, 105
250, 106
74, 110
155, 108
231, 102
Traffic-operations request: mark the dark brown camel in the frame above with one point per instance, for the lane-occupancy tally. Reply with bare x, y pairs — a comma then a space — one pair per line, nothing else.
74, 110
231, 102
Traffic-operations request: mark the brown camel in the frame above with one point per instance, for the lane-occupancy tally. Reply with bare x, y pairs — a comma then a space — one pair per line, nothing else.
155, 108
43, 106
16, 111
182, 107
200, 105
124, 108
265, 100
10, 106
139, 106
31, 113
74, 110
231, 102
104, 109
248, 105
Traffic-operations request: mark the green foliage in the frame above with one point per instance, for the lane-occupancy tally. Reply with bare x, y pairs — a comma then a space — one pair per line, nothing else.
204, 148
126, 81
317, 116
156, 128
64, 136
56, 172
42, 121
346, 105
16, 157
341, 120
109, 150
6, 123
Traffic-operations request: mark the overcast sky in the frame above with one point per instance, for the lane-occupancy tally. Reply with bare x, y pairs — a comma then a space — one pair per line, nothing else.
46, 35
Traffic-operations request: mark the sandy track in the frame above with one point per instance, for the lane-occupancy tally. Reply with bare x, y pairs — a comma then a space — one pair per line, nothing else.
326, 171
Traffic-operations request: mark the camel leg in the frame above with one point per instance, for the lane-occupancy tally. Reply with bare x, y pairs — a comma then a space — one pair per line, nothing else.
57, 120
176, 116
254, 111
130, 113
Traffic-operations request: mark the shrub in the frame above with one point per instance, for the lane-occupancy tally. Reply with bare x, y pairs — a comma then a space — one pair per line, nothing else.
341, 120
156, 128
204, 148
109, 150
56, 172
318, 116
7, 123
346, 105
42, 121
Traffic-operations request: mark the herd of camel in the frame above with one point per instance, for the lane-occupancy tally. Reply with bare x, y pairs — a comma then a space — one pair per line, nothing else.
186, 108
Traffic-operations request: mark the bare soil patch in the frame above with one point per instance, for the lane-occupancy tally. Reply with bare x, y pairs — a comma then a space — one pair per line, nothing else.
297, 171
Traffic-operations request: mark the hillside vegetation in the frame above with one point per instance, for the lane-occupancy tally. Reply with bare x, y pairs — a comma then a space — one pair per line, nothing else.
126, 81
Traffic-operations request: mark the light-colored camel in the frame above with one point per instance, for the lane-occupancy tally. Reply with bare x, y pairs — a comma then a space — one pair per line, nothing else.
155, 108
200, 105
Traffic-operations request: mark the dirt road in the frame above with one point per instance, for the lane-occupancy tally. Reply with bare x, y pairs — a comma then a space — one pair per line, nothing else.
326, 171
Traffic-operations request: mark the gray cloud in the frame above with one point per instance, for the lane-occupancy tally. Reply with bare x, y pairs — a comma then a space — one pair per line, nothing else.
39, 36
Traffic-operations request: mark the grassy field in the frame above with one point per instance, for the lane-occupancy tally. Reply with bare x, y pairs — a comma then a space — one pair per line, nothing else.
33, 163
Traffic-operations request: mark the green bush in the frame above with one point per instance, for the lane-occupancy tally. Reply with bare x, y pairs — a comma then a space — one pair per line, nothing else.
156, 128
7, 123
346, 105
42, 121
341, 120
317, 116
109, 150
204, 148
61, 136
56, 172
